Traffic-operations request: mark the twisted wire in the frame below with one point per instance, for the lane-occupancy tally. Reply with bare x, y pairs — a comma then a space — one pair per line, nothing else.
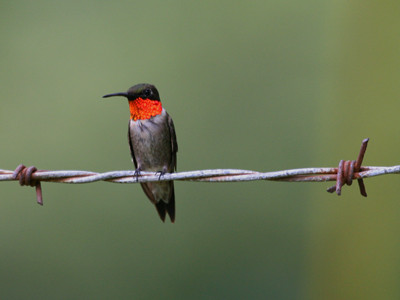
344, 174
213, 175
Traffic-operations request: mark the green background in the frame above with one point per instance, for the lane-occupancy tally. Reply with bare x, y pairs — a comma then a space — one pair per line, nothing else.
258, 85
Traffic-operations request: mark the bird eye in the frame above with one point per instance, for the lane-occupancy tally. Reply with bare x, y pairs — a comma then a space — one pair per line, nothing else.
147, 92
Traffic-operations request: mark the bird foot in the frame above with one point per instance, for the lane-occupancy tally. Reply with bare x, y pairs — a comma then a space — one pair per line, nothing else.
137, 174
161, 174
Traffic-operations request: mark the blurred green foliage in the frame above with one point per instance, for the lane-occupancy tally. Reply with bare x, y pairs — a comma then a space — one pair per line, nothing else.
262, 85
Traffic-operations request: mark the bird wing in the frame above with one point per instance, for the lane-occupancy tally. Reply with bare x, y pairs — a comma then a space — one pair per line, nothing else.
131, 146
174, 143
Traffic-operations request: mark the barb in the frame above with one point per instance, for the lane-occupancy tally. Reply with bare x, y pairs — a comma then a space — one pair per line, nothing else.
24, 175
344, 174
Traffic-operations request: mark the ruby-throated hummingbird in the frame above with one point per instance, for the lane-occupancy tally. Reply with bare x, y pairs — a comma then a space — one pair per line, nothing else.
153, 145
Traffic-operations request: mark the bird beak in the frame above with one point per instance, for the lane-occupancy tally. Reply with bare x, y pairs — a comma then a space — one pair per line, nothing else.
116, 94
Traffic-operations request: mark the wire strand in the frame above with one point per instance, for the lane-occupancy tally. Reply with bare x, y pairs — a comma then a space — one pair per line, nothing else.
344, 174
214, 175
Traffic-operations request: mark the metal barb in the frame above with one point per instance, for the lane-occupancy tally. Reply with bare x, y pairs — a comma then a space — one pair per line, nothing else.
347, 170
24, 176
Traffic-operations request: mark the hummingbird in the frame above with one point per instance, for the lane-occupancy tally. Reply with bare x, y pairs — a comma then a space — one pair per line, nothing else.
153, 145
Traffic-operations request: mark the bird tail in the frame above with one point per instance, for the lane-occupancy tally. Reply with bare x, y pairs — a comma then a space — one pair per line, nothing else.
164, 208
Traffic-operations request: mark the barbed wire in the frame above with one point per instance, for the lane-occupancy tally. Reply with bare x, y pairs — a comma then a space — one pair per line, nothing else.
344, 174
212, 175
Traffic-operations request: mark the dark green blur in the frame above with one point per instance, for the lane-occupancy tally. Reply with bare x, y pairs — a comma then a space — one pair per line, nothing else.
258, 85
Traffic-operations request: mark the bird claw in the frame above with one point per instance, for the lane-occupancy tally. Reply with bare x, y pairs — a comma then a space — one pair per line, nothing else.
137, 174
161, 174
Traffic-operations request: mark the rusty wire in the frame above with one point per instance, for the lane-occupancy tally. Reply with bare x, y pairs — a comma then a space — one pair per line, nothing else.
344, 174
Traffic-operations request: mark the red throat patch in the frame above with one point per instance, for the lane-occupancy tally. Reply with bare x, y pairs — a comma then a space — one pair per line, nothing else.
143, 109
